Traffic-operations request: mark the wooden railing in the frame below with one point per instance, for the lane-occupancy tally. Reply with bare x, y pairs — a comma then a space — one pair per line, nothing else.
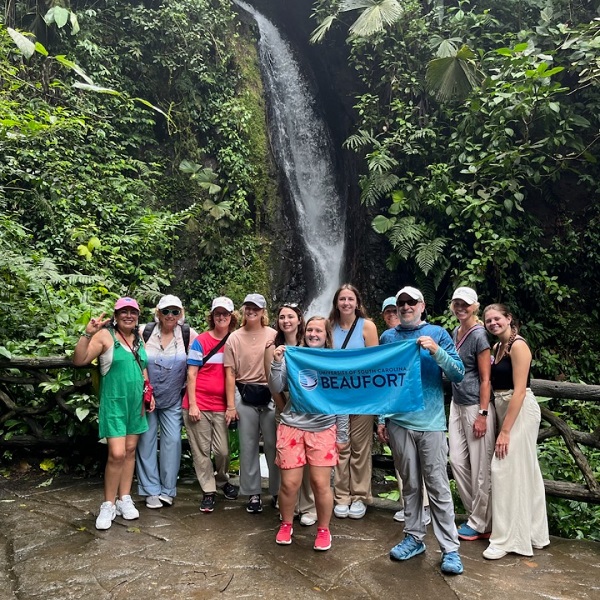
29, 373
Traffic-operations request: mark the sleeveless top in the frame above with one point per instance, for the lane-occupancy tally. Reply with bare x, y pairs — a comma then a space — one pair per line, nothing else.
121, 375
502, 374
356, 340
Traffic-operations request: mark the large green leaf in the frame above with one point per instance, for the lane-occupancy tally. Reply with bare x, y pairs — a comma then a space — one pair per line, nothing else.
452, 77
375, 16
24, 44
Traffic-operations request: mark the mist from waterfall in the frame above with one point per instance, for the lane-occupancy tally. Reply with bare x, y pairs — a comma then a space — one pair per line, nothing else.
302, 150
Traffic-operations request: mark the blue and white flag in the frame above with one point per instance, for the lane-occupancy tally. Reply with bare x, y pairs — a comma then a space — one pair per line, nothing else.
366, 381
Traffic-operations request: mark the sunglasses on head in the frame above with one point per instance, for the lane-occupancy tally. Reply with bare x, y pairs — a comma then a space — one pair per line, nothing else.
171, 311
411, 302
289, 305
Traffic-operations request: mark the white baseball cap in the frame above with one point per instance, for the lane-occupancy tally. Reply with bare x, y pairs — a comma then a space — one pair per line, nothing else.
467, 294
413, 292
169, 300
222, 302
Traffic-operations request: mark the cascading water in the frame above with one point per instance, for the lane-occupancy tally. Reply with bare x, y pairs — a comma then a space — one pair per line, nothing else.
302, 150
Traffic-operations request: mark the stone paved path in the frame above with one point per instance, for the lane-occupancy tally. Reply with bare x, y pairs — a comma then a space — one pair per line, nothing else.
51, 550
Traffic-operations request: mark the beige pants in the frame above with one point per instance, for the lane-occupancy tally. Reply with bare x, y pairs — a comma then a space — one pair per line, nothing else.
352, 478
210, 432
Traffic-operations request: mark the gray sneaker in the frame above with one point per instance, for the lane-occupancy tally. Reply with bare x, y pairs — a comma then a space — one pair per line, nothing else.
107, 515
126, 508
153, 502
166, 499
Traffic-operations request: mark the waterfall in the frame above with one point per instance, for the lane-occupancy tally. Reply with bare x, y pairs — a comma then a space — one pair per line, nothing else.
303, 153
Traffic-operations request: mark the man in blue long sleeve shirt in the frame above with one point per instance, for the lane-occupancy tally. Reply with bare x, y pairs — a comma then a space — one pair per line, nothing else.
418, 439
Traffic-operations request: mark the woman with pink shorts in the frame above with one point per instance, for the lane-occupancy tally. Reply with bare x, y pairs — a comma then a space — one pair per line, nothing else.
304, 438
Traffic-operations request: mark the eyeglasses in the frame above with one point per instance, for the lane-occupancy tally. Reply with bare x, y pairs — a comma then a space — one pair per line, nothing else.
171, 311
411, 302
289, 305
222, 314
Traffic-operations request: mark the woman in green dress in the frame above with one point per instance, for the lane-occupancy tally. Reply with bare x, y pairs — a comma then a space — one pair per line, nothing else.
117, 345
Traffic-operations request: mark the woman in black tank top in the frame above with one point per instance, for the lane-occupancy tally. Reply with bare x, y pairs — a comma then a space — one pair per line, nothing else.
519, 521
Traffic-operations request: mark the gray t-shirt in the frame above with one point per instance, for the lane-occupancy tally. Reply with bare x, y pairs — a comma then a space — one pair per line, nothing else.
467, 391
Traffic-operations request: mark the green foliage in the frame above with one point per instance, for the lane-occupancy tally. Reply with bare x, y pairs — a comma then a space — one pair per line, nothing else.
94, 127
569, 518
491, 191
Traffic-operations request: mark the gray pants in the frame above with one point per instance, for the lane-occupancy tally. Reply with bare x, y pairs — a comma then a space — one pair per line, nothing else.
422, 457
252, 423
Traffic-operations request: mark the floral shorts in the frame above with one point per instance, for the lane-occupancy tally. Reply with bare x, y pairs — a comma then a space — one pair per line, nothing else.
296, 447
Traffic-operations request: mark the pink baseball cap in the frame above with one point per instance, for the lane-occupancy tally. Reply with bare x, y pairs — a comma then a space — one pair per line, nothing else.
126, 303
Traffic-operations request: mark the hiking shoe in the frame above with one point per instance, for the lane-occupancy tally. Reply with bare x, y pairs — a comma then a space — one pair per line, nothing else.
208, 503
399, 516
229, 491
126, 508
275, 501
341, 511
108, 512
153, 502
451, 563
426, 516
493, 553
323, 539
357, 510
254, 504
407, 548
166, 500
308, 519
284, 535
468, 533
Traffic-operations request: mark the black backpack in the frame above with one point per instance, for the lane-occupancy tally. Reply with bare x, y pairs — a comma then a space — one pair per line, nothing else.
185, 332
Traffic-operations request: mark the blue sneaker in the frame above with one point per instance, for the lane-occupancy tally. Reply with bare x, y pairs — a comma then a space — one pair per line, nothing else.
468, 533
451, 563
407, 548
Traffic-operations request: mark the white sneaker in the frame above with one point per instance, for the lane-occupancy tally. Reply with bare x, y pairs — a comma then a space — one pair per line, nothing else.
341, 511
493, 553
357, 510
153, 502
308, 519
399, 516
126, 508
107, 514
426, 516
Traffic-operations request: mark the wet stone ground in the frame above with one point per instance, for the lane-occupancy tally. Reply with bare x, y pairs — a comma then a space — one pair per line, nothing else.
51, 550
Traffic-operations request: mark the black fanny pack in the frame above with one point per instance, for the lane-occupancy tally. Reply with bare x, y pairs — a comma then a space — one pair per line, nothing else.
254, 394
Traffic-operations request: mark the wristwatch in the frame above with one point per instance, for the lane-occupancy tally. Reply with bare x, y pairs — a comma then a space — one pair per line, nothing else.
483, 413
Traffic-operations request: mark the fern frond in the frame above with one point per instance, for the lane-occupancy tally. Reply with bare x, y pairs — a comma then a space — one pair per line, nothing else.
377, 186
430, 252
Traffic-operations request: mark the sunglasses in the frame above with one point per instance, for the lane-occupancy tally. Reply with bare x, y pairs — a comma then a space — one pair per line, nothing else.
128, 311
289, 305
411, 302
171, 311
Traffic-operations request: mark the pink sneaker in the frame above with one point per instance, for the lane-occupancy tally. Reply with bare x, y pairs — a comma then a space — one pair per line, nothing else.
284, 535
323, 539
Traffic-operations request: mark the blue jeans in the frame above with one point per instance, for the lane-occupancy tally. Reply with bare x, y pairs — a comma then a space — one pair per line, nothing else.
157, 471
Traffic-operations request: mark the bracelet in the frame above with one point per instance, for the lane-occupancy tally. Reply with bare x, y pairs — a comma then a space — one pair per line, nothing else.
87, 335
230, 408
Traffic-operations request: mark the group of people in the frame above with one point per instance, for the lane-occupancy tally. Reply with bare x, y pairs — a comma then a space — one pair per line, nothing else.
232, 375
